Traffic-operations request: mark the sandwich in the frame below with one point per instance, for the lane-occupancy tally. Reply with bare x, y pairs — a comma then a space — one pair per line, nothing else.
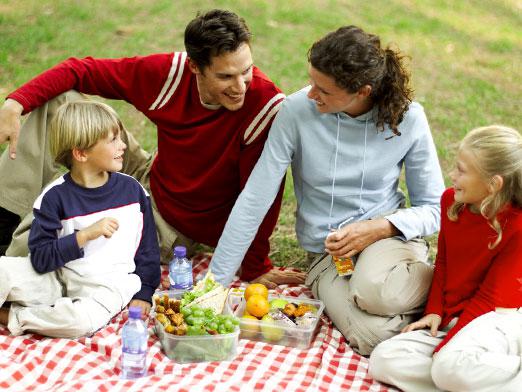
207, 293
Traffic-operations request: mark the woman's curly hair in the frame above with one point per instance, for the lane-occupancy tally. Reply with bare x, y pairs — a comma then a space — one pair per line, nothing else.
355, 59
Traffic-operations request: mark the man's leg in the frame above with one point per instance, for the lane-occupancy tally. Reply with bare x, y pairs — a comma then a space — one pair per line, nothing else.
22, 179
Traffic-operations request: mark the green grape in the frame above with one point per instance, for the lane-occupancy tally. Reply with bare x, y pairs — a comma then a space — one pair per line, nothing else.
213, 325
196, 330
186, 311
198, 312
197, 321
189, 319
228, 324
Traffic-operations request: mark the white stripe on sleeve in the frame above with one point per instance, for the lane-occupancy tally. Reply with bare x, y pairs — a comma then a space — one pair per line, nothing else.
262, 118
176, 71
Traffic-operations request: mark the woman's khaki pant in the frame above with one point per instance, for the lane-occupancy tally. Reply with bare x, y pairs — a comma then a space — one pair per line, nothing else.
386, 291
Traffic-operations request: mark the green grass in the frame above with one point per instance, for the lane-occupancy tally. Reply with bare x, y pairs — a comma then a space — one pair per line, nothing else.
466, 56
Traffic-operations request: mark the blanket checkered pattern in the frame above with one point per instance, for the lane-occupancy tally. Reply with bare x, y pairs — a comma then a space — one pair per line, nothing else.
34, 363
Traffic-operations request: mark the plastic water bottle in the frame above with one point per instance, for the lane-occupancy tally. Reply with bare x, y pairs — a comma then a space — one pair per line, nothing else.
180, 270
134, 345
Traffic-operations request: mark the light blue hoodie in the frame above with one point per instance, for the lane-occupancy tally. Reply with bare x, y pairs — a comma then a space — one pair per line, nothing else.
342, 167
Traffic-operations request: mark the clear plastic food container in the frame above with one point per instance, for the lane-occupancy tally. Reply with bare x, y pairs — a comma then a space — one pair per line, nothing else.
199, 348
299, 336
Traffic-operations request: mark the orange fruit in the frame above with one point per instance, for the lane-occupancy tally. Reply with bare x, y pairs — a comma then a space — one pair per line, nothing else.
256, 288
257, 305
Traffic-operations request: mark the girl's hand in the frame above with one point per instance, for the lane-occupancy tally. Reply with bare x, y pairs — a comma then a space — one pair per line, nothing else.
104, 227
355, 237
431, 321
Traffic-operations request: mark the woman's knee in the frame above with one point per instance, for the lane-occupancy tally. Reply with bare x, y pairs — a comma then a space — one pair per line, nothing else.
402, 290
364, 331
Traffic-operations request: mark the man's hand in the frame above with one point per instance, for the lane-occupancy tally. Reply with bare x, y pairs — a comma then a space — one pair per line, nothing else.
104, 227
275, 277
144, 305
355, 237
431, 321
10, 114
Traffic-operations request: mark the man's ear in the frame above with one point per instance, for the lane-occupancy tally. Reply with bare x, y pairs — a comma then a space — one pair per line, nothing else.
365, 91
193, 67
79, 155
496, 183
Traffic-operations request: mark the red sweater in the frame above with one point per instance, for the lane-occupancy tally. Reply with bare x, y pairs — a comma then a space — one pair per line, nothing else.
204, 156
470, 279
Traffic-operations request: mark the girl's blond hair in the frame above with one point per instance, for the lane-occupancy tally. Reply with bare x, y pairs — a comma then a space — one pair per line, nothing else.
498, 151
80, 124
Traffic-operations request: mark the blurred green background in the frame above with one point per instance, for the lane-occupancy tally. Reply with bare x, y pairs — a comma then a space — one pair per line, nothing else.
465, 56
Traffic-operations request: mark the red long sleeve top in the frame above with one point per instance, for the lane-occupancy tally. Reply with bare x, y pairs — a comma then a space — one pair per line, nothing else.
469, 278
204, 156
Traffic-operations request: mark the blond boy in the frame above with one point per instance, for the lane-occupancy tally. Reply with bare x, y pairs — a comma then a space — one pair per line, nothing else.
93, 245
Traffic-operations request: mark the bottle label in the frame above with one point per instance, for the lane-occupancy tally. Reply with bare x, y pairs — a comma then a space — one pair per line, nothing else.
180, 274
344, 265
183, 281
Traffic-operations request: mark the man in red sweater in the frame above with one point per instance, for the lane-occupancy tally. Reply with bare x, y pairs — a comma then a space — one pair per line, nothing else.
212, 108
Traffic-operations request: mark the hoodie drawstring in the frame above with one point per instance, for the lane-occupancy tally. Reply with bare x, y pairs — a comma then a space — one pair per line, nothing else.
361, 211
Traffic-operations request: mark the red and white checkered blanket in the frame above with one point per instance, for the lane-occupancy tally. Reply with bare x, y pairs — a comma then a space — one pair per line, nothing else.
32, 362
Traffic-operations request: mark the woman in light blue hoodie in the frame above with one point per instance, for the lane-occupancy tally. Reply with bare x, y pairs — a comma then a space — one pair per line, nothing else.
347, 137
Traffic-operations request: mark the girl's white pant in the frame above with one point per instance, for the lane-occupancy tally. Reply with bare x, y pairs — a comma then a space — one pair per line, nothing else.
484, 356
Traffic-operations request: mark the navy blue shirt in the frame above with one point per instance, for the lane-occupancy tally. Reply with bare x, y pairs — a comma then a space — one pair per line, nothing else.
64, 208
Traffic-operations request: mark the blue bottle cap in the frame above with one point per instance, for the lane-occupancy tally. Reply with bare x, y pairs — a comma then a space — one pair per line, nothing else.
180, 251
135, 312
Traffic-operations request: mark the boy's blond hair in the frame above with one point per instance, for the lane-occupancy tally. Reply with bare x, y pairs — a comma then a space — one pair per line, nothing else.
80, 125
498, 151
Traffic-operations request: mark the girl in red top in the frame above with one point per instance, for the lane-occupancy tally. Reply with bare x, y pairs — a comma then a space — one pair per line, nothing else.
473, 315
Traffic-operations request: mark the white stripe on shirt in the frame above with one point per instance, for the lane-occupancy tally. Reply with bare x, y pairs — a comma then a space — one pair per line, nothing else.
260, 121
176, 70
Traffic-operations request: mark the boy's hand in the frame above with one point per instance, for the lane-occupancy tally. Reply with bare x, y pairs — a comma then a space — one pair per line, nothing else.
144, 305
104, 227
431, 321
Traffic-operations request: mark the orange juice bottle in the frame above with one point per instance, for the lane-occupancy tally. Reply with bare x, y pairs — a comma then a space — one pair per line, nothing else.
344, 265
